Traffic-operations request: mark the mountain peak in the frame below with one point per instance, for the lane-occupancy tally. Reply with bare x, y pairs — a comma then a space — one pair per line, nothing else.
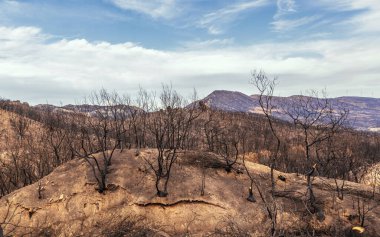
363, 110
232, 101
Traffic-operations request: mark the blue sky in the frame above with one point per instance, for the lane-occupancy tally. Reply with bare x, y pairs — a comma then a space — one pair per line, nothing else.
58, 51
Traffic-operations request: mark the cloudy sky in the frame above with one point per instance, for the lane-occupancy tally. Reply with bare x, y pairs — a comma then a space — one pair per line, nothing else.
58, 51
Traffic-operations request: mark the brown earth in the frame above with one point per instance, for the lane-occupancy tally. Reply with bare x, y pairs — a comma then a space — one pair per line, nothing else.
72, 207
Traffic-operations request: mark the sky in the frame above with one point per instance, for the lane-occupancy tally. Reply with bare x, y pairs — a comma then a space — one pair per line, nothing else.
58, 51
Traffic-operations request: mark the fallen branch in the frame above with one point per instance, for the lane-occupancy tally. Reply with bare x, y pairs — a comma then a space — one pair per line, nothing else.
183, 201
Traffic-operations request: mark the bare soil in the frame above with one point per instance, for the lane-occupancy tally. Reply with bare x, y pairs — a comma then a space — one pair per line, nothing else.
72, 207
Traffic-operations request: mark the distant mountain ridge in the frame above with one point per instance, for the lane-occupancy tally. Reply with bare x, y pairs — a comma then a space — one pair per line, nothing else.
364, 111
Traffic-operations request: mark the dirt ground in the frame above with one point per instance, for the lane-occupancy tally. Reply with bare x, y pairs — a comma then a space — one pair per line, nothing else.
70, 205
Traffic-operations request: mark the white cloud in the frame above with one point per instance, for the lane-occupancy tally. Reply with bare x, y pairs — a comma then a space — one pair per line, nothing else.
365, 21
215, 21
285, 7
33, 69
154, 8
21, 34
201, 44
348, 5
286, 24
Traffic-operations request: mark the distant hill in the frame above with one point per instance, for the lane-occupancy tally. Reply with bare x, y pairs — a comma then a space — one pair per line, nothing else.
231, 101
364, 111
87, 108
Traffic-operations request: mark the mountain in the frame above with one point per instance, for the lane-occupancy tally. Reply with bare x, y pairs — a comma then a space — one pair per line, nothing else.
231, 101
364, 111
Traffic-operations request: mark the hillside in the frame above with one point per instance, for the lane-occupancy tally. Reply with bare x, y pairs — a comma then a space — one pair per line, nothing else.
364, 112
9, 123
70, 206
231, 101
4, 127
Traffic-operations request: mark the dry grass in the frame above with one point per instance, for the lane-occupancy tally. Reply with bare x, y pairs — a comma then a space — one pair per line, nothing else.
72, 207
130, 226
